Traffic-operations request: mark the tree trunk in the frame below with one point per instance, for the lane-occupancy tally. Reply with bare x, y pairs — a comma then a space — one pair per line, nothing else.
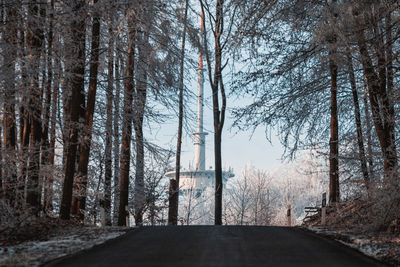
139, 176
127, 123
77, 88
25, 129
116, 138
217, 87
174, 184
139, 106
54, 108
219, 116
9, 119
24, 122
52, 144
109, 130
369, 133
79, 201
357, 115
35, 41
334, 139
2, 191
45, 160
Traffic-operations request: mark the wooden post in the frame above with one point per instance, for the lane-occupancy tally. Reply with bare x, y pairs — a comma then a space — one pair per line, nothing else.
323, 209
289, 215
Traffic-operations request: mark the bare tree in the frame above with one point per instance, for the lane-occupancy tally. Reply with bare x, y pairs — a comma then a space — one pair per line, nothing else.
45, 158
215, 78
248, 200
127, 120
377, 87
9, 184
116, 140
334, 188
79, 202
109, 129
357, 115
77, 69
174, 183
35, 42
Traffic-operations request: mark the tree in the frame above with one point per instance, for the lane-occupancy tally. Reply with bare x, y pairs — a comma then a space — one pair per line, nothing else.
248, 199
46, 150
174, 183
357, 115
76, 65
377, 86
218, 89
140, 94
127, 121
109, 129
35, 43
9, 180
79, 202
116, 140
334, 188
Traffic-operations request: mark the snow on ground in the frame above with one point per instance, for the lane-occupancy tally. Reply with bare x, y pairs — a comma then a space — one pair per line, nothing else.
35, 253
384, 247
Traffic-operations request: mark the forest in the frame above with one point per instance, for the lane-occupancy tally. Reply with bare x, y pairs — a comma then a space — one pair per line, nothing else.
84, 81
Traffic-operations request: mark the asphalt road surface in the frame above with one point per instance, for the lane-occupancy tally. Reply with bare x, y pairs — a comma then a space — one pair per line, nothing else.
219, 246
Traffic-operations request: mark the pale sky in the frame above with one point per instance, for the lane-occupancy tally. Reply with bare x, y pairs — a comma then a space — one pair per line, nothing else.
238, 148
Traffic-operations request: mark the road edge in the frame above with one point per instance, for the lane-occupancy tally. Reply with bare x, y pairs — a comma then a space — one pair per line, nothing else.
53, 262
334, 239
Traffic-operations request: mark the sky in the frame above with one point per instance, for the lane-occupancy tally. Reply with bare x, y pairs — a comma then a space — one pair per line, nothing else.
238, 148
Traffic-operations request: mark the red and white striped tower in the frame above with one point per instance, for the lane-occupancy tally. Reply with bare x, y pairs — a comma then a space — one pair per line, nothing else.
200, 135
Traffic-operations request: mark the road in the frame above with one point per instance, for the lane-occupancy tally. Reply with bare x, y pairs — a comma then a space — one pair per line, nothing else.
219, 246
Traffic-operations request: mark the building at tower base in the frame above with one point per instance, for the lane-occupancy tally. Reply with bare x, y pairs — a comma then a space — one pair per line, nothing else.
198, 181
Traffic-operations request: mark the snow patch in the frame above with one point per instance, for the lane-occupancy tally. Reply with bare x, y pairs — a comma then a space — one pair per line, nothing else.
384, 247
35, 253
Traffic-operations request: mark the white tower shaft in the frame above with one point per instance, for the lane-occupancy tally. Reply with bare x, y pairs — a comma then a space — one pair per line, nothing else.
200, 136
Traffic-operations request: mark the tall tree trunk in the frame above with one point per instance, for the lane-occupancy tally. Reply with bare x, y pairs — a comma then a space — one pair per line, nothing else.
334, 188
357, 115
2, 191
35, 41
174, 184
52, 132
116, 137
217, 87
139, 105
369, 132
127, 123
79, 201
109, 130
24, 122
52, 143
45, 160
77, 88
9, 119
25, 131
139, 194
334, 139
219, 116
